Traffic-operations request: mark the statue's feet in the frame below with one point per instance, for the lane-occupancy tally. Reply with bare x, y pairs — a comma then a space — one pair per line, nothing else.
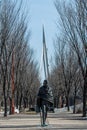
43, 125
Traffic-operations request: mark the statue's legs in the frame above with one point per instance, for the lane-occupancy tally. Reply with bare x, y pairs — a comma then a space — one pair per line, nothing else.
43, 114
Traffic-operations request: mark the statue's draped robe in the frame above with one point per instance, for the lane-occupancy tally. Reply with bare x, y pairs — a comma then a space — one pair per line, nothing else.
44, 93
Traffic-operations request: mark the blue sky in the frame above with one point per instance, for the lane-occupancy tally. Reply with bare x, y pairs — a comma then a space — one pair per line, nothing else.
42, 12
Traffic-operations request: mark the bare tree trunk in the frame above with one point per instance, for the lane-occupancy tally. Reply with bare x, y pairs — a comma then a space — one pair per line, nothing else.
74, 101
10, 110
5, 104
20, 102
67, 102
57, 101
17, 99
5, 98
84, 94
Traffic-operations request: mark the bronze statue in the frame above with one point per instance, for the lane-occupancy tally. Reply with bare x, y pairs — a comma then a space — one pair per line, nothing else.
44, 99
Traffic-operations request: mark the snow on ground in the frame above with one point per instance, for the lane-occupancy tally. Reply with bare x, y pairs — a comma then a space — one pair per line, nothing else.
64, 109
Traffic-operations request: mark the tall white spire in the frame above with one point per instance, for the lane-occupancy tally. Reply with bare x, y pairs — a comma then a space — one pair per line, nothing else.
44, 70
45, 58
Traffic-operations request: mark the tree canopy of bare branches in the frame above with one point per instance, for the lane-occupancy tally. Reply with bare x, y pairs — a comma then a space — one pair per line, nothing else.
16, 57
72, 17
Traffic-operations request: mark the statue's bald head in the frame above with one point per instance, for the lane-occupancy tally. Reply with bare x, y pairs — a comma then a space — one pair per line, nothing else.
45, 82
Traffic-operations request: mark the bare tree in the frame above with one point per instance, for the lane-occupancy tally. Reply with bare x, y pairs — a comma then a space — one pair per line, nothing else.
73, 17
78, 89
14, 40
66, 67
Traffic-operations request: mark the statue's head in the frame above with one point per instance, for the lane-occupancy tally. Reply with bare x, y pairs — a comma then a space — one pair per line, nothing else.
45, 82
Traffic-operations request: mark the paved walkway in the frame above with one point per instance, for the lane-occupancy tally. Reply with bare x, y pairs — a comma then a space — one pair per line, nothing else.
56, 121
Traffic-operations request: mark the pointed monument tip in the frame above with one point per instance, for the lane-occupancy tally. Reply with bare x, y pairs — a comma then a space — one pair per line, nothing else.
43, 26
43, 35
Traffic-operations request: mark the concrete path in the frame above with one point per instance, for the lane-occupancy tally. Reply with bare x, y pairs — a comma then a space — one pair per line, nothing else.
56, 121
